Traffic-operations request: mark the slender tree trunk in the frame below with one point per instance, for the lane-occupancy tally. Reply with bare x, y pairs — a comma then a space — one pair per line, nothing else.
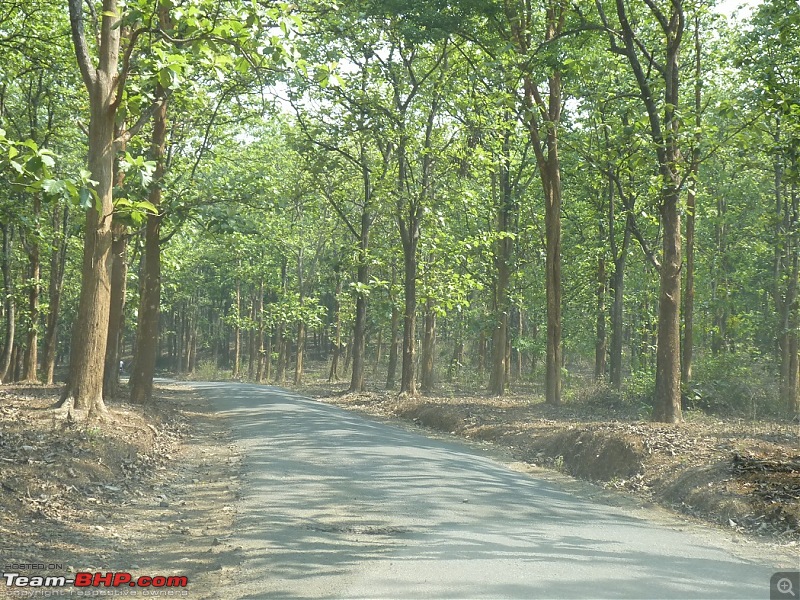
600, 338
268, 357
408, 380
427, 379
668, 393
379, 348
664, 128
482, 351
181, 335
617, 318
553, 277
280, 375
31, 356
260, 340
337, 346
147, 333
58, 257
357, 382
301, 345
116, 316
237, 332
251, 342
498, 380
694, 181
9, 306
395, 335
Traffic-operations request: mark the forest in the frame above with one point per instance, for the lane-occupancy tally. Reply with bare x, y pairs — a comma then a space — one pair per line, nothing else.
501, 194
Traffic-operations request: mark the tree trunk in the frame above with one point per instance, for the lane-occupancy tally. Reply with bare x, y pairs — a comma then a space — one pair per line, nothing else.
617, 317
282, 343
543, 122
337, 346
667, 407
664, 128
694, 181
427, 379
268, 357
408, 381
553, 276
301, 345
359, 347
482, 351
58, 257
31, 356
600, 339
498, 380
260, 340
84, 392
9, 306
395, 334
147, 331
237, 332
116, 316
252, 335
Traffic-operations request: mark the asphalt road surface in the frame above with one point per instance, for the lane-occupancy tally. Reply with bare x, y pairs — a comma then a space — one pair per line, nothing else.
335, 505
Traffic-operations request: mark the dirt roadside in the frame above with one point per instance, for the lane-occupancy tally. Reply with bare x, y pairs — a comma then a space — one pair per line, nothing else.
151, 492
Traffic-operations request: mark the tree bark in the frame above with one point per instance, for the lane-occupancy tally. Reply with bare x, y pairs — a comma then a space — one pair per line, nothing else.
617, 311
543, 121
408, 380
395, 335
31, 355
237, 332
333, 375
498, 380
116, 316
84, 391
359, 347
427, 379
280, 375
600, 338
691, 207
553, 272
252, 335
147, 331
260, 340
58, 257
301, 346
9, 306
664, 134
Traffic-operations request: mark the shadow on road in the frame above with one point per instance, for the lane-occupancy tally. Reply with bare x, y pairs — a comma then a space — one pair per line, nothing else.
337, 506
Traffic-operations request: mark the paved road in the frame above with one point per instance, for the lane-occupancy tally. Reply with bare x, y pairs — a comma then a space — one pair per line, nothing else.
338, 506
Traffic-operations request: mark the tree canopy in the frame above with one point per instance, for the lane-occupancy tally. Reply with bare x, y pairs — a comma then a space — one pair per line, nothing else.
543, 195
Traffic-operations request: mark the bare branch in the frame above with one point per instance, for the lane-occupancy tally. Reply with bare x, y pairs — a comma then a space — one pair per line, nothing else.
79, 41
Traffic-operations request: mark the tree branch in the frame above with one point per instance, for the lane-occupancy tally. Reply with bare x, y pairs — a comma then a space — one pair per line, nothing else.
79, 41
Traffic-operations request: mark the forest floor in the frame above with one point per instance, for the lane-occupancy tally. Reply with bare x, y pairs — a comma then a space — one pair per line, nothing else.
127, 495
741, 475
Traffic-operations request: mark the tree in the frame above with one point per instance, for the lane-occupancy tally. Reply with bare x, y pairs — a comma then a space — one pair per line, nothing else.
664, 129
105, 86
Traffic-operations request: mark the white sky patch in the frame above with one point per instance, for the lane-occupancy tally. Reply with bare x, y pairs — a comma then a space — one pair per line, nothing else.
738, 10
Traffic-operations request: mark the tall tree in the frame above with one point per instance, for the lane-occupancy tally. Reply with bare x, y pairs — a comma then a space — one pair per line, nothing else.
664, 124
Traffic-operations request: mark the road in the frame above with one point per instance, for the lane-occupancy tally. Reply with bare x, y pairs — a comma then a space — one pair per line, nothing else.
335, 505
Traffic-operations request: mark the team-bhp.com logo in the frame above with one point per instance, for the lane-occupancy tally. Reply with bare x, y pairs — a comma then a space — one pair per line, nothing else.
88, 580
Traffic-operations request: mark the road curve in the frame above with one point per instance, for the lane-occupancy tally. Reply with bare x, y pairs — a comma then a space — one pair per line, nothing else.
335, 505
